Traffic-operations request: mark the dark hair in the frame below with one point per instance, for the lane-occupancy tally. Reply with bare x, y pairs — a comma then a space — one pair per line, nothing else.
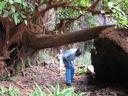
78, 52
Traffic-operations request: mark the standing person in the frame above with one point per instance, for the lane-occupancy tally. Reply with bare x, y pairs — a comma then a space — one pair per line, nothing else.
68, 58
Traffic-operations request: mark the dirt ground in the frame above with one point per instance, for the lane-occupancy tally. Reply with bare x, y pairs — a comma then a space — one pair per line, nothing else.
43, 76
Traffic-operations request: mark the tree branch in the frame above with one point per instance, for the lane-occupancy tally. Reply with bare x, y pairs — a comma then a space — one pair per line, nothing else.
49, 7
93, 6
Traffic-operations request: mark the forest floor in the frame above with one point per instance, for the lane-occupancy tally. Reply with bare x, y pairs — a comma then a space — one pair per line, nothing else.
44, 76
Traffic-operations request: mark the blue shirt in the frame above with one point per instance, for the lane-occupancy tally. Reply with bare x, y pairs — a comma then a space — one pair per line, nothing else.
70, 54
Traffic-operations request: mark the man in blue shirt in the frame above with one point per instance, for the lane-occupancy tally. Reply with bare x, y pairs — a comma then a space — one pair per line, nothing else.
68, 58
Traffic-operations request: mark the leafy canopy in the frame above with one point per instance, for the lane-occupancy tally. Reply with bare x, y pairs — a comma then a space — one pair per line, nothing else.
21, 11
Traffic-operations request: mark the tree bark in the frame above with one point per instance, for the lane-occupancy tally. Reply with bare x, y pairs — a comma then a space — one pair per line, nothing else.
40, 41
110, 58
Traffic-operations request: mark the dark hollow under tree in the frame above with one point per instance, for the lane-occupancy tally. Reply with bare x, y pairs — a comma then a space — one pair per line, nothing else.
111, 57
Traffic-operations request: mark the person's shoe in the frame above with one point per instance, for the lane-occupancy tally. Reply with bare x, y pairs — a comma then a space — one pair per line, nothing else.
68, 84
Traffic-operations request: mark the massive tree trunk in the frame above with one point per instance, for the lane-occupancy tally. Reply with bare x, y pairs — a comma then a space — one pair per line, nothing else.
110, 58
39, 41
15, 40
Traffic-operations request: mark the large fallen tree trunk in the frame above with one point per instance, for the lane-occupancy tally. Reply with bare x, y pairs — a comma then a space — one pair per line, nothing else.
40, 41
110, 58
16, 39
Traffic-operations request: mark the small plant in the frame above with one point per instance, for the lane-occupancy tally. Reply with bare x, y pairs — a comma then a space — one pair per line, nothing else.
66, 92
42, 56
11, 91
55, 91
5, 78
2, 90
38, 91
81, 71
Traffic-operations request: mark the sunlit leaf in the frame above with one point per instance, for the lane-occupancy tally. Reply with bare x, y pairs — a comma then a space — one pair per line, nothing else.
110, 4
25, 21
2, 5
13, 9
11, 1
15, 17
18, 1
24, 4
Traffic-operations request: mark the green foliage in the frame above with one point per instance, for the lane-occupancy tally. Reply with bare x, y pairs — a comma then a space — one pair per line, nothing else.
119, 12
84, 3
2, 90
64, 92
2, 5
90, 20
81, 71
5, 77
17, 9
53, 91
20, 10
43, 55
67, 13
37, 92
70, 12
11, 91
56, 91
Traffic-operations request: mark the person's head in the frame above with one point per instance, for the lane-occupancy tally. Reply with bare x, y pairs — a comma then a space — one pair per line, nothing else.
78, 52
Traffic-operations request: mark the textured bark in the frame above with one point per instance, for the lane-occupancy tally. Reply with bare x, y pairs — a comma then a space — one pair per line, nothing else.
39, 41
110, 59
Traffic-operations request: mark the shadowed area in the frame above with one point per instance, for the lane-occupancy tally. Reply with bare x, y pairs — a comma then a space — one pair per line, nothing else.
111, 57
